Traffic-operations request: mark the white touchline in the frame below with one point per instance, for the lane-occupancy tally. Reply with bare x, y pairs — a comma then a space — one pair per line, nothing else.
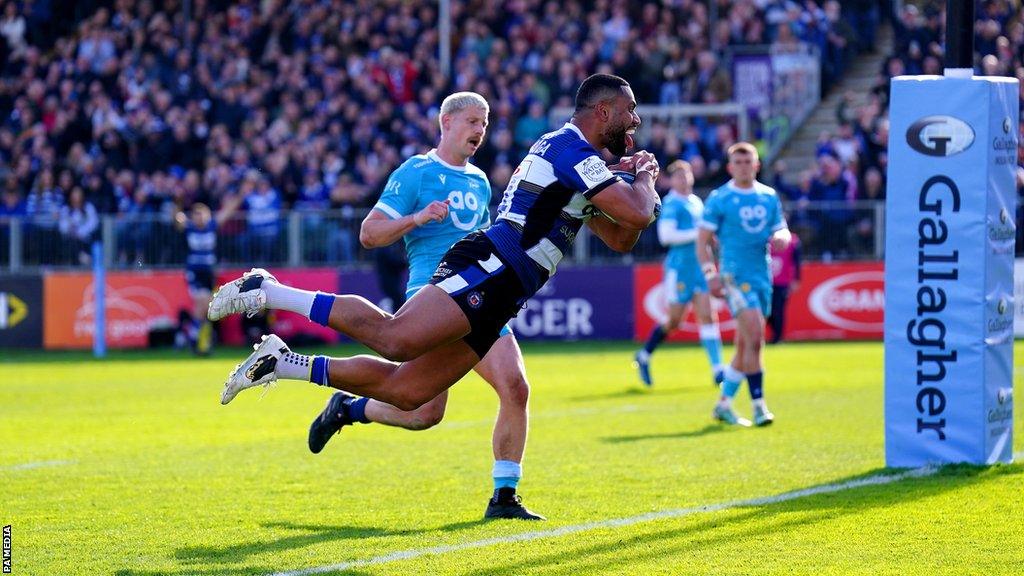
39, 464
618, 522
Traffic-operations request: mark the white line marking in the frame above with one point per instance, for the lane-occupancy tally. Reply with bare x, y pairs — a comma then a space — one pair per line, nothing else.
40, 464
619, 522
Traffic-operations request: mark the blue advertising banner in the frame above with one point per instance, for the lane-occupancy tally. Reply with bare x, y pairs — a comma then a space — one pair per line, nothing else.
576, 304
949, 270
592, 303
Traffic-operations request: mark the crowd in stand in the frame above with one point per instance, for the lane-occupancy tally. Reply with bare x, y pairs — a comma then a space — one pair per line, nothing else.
852, 161
127, 108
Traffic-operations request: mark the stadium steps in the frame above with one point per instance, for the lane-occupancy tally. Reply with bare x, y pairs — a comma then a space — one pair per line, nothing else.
798, 154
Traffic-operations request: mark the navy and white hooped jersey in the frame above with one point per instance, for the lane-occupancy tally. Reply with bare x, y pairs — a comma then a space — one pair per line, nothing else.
202, 245
547, 200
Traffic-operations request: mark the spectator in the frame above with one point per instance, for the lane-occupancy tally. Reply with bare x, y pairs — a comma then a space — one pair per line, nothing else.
786, 268
42, 211
12, 28
78, 226
12, 204
830, 188
263, 207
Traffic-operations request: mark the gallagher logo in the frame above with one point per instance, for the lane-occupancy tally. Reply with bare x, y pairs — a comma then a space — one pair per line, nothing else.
853, 301
940, 136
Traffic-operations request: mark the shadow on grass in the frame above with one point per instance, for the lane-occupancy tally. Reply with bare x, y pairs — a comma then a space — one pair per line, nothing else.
636, 392
199, 558
306, 535
708, 429
618, 553
234, 571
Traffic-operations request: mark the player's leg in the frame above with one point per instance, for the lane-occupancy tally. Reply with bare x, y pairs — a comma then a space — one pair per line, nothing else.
345, 409
406, 385
732, 375
710, 335
504, 370
753, 362
429, 320
676, 307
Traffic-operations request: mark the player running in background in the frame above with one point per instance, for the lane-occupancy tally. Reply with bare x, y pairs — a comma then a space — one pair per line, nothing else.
450, 324
683, 281
432, 201
743, 216
200, 229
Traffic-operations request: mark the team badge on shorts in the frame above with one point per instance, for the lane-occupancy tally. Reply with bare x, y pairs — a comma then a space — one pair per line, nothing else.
474, 299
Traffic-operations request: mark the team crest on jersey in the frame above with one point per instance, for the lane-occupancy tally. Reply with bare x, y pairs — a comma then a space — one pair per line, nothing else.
475, 300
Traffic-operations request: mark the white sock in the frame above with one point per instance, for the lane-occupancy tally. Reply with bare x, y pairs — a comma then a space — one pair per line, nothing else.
759, 404
294, 366
281, 297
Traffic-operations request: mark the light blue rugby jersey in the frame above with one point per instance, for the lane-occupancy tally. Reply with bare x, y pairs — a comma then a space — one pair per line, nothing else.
743, 221
685, 212
421, 180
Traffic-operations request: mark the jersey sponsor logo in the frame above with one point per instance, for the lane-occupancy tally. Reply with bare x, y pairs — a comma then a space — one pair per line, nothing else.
853, 301
393, 186
753, 218
940, 136
593, 171
465, 201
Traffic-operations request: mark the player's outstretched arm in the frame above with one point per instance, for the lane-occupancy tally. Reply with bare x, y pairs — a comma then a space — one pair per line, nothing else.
616, 237
378, 229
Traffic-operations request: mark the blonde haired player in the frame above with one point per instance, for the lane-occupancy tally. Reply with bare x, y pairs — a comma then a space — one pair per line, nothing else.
743, 216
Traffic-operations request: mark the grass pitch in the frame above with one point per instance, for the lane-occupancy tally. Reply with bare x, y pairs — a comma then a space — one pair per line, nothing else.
130, 466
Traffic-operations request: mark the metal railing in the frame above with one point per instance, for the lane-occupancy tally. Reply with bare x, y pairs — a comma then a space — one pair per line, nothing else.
835, 230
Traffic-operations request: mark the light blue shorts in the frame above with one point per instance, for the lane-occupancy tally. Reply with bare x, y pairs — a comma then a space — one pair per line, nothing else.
682, 283
742, 294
